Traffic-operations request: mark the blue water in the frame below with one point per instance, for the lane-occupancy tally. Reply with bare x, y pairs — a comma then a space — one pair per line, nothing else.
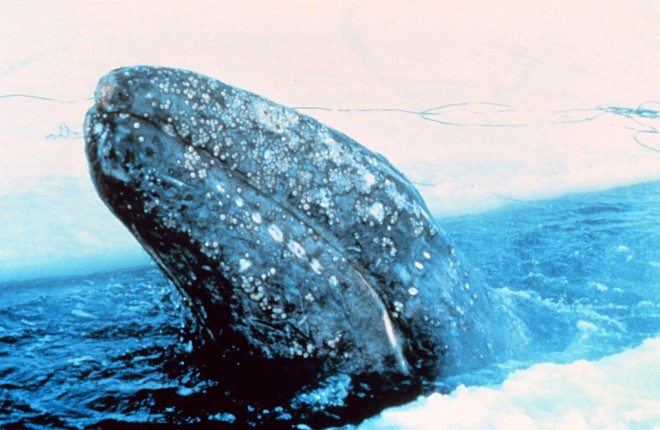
116, 348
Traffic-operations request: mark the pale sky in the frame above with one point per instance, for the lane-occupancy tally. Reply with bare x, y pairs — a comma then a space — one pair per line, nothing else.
499, 73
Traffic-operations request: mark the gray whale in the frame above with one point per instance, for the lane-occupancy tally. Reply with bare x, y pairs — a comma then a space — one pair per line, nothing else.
303, 253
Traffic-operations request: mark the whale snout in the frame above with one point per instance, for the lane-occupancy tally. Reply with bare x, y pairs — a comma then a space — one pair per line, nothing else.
124, 129
113, 92
107, 91
130, 90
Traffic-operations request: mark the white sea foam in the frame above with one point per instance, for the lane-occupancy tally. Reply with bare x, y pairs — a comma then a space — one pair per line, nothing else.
619, 391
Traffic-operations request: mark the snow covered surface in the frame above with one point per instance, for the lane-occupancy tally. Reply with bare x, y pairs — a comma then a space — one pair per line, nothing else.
515, 96
621, 391
478, 103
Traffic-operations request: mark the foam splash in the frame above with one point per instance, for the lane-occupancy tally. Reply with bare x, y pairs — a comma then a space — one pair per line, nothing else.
618, 391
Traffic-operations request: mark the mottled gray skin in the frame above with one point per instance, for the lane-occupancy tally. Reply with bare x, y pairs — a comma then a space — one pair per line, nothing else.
294, 243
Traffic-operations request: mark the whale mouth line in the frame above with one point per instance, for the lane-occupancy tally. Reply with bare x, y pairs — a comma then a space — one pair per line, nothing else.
168, 129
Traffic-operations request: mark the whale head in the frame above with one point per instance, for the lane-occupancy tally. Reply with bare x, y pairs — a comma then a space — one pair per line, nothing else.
294, 244
214, 182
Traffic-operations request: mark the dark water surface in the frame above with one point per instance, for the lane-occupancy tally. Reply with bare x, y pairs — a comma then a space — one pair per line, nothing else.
110, 349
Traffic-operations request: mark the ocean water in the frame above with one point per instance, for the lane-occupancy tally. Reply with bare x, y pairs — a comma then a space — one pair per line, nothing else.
116, 348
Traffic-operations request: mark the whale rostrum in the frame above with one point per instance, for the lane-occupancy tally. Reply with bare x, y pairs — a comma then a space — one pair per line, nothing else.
294, 244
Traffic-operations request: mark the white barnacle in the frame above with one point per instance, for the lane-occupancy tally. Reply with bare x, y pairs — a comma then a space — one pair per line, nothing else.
377, 211
334, 150
275, 233
296, 248
333, 281
419, 265
257, 295
244, 264
369, 179
256, 217
323, 198
413, 291
332, 343
136, 125
316, 266
239, 202
426, 255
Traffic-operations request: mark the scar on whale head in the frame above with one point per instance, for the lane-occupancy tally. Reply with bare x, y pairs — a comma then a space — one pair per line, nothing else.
301, 251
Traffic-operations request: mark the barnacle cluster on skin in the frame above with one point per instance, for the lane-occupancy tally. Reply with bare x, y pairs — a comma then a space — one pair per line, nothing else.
305, 165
